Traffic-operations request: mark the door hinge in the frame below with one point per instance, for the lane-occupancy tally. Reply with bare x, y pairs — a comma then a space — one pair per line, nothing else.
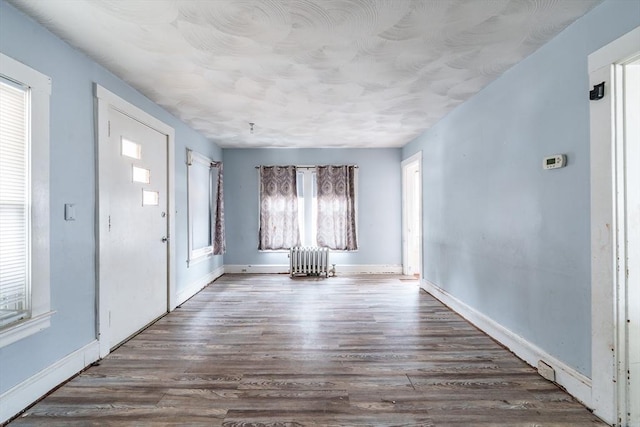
109, 222
597, 92
109, 128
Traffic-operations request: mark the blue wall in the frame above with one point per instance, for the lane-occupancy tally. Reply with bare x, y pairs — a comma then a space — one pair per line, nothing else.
379, 202
73, 181
501, 234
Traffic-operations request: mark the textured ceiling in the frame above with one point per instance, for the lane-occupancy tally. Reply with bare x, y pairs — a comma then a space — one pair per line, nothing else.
308, 73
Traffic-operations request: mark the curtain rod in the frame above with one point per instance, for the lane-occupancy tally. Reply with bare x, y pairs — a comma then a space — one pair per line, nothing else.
306, 166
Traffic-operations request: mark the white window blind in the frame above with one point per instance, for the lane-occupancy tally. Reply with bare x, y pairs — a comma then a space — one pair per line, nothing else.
14, 203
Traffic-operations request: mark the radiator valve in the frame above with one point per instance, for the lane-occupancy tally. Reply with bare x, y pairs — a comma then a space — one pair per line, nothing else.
333, 270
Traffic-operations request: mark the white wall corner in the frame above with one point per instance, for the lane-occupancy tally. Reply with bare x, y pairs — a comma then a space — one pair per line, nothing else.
16, 399
197, 285
575, 383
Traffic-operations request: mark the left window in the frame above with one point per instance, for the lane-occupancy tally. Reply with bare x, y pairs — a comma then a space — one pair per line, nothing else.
24, 201
204, 207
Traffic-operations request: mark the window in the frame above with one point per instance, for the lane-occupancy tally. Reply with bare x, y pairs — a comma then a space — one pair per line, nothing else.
205, 216
24, 201
307, 206
324, 216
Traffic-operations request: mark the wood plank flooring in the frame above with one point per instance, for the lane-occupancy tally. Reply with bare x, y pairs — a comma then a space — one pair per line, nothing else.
267, 350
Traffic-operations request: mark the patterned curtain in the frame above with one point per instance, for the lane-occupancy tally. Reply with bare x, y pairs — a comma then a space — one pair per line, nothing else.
278, 208
336, 207
219, 242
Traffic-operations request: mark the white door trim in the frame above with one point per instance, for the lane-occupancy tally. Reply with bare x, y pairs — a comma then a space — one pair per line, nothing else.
105, 100
608, 342
416, 158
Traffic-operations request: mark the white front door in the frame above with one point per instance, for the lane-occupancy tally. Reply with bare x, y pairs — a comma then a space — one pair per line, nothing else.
135, 258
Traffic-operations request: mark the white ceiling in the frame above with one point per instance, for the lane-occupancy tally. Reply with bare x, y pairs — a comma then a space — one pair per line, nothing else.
308, 73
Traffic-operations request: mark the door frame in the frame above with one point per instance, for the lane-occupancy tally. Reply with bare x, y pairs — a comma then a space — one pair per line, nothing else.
608, 287
408, 162
105, 100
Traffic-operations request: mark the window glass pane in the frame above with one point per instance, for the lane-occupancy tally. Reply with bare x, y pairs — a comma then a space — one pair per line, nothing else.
301, 223
131, 149
200, 197
314, 210
14, 203
150, 198
141, 175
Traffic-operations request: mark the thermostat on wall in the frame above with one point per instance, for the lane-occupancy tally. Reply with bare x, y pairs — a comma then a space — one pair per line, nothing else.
554, 162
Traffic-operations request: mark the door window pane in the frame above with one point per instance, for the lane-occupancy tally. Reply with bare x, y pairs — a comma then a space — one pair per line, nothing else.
131, 149
150, 198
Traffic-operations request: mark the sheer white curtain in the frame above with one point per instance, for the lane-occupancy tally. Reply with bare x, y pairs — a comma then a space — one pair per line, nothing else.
336, 207
278, 208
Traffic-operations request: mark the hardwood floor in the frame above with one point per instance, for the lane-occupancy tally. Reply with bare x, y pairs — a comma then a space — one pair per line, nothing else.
267, 350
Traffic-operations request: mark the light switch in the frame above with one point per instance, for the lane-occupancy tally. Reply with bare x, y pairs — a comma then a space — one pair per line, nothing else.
69, 212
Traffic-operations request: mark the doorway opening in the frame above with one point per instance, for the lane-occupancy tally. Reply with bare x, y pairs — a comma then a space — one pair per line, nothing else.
615, 230
412, 216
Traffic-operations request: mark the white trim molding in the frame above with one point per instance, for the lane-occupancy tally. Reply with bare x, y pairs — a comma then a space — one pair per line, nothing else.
257, 269
607, 233
31, 390
348, 269
197, 285
24, 329
341, 269
575, 383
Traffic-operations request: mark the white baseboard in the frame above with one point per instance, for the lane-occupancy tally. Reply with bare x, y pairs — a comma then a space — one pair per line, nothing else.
29, 391
257, 268
340, 269
368, 269
197, 285
575, 383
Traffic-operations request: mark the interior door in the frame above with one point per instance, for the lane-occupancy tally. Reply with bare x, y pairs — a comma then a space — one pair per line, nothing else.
137, 226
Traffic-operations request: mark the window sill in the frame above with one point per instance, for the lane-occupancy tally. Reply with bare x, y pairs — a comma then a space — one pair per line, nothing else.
25, 328
198, 258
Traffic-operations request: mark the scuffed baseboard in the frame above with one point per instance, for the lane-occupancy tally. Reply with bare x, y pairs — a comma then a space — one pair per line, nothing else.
197, 285
257, 269
29, 391
575, 383
341, 269
368, 269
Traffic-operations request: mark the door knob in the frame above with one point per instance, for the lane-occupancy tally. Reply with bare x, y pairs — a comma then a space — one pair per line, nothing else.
165, 239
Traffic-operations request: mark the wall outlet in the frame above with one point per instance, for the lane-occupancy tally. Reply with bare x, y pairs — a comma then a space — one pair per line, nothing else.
546, 371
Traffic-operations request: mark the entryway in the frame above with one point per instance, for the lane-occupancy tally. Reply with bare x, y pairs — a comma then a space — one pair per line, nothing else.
614, 73
134, 220
412, 216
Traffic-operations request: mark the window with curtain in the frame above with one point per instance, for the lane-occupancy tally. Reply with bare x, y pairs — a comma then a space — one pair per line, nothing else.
336, 207
278, 208
312, 206
24, 201
205, 204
